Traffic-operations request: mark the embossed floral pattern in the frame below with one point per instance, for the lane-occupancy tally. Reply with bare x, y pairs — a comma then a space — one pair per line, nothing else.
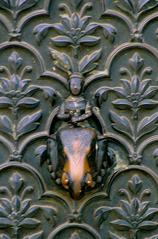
135, 8
134, 213
65, 63
16, 6
15, 93
110, 47
75, 29
136, 93
17, 211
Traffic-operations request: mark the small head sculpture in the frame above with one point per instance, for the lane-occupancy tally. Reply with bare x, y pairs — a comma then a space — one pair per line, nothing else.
75, 84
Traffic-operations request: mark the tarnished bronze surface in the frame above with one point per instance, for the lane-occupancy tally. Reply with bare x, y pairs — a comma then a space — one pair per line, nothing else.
78, 119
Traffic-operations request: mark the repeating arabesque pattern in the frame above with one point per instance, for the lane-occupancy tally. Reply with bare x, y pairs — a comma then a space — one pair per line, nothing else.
112, 44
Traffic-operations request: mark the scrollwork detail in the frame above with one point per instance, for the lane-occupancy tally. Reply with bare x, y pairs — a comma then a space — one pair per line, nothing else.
75, 29
134, 213
17, 210
136, 95
135, 8
15, 93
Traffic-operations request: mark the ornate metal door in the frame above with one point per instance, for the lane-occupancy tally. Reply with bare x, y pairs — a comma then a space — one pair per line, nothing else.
78, 119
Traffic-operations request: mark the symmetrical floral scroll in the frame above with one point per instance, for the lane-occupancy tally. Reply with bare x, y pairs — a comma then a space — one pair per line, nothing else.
17, 210
137, 94
135, 8
134, 213
78, 119
16, 93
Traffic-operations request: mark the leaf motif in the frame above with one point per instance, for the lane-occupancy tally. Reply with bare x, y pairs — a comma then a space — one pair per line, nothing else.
148, 103
28, 123
5, 125
28, 102
24, 84
84, 22
135, 205
121, 225
119, 91
5, 4
101, 95
124, 5
16, 182
144, 207
14, 82
144, 85
5, 84
62, 40
5, 223
15, 61
127, 86
66, 21
49, 93
25, 205
122, 104
38, 235
147, 125
75, 20
62, 61
136, 62
150, 213
121, 124
25, 4
16, 203
29, 223
59, 28
134, 7
31, 90
91, 28
40, 150
6, 204
148, 225
32, 211
122, 213
5, 102
150, 92
135, 83
109, 32
135, 184
146, 5
126, 207
102, 213
142, 3
114, 236
40, 153
3, 212
88, 63
41, 31
89, 40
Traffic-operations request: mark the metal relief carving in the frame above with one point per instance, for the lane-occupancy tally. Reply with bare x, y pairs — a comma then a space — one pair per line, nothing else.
78, 119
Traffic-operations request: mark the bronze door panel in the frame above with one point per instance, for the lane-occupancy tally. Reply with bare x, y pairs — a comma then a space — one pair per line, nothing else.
78, 119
